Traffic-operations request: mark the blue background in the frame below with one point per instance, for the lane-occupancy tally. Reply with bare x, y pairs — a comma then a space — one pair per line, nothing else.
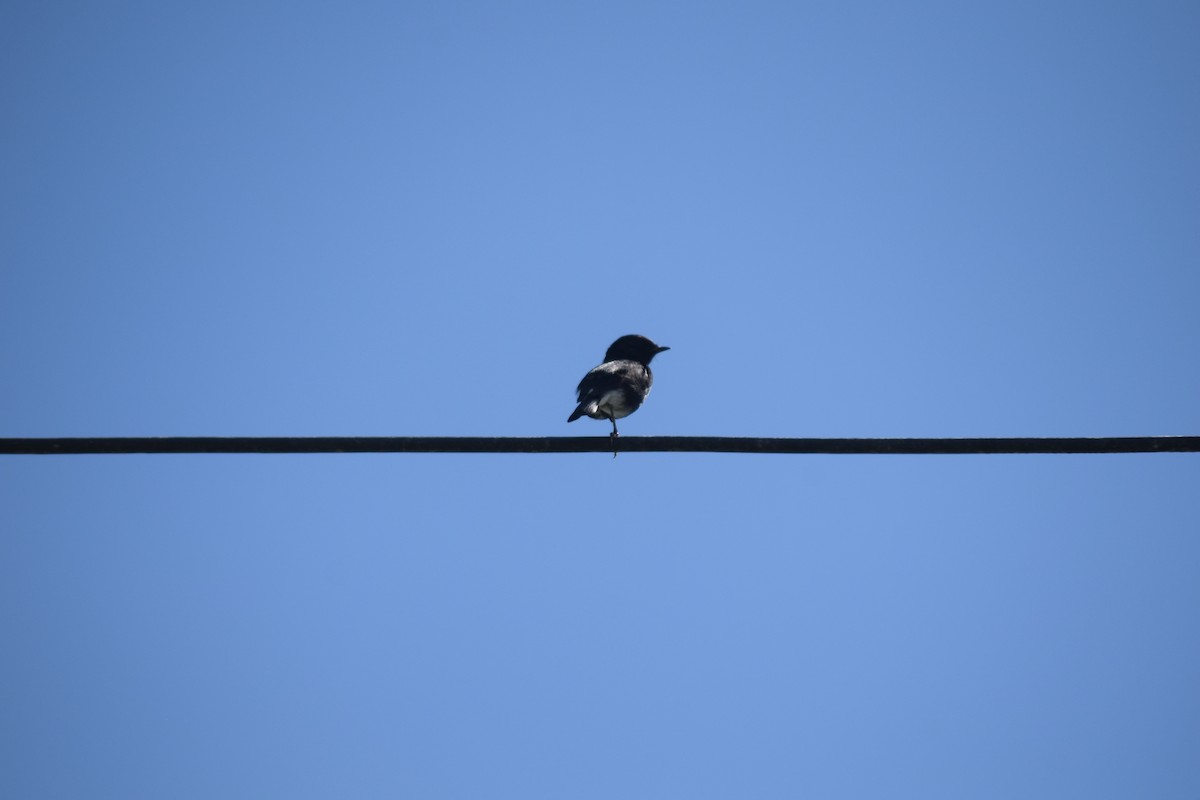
852, 219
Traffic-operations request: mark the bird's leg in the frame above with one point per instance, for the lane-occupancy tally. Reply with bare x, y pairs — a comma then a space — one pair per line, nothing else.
614, 434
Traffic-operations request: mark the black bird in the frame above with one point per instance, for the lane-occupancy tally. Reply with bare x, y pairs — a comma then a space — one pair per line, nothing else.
617, 387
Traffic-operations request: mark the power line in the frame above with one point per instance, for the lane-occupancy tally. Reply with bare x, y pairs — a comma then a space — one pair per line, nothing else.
592, 444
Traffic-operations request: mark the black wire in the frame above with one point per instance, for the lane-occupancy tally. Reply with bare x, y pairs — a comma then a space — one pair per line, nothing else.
589, 444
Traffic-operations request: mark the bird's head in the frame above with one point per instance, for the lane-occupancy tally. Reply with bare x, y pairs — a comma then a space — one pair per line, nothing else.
633, 348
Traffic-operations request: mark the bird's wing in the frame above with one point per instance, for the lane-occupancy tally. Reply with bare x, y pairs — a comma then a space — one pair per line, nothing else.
601, 380
592, 390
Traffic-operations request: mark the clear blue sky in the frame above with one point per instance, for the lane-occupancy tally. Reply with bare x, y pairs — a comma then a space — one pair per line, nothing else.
846, 219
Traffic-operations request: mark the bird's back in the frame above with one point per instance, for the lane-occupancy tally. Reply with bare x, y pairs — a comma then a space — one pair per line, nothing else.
614, 375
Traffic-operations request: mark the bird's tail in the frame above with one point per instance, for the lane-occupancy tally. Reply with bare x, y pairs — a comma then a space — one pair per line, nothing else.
586, 407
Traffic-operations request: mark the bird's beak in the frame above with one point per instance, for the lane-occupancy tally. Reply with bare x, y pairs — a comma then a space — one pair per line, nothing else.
659, 350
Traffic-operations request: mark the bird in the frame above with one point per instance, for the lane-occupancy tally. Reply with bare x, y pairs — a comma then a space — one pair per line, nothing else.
616, 388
